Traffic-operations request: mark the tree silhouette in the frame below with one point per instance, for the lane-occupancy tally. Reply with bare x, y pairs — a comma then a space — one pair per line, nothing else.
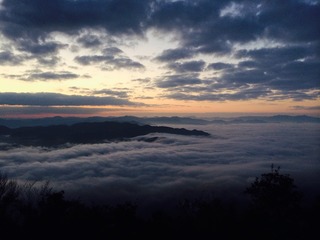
275, 205
274, 192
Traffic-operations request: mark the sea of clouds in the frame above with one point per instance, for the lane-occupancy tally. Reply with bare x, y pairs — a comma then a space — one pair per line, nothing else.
172, 166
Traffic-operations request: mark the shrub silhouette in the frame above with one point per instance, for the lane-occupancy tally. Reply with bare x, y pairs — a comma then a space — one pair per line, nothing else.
275, 205
274, 192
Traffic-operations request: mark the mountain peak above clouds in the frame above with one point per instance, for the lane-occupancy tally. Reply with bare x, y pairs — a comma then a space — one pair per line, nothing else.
86, 132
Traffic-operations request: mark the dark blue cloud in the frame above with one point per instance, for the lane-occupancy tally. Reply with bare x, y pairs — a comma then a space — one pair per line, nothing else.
170, 55
207, 95
201, 26
56, 99
278, 73
32, 110
200, 23
109, 92
89, 41
52, 76
190, 66
282, 68
112, 58
178, 81
25, 18
29, 23
8, 58
38, 48
215, 28
219, 66
294, 21
317, 108
42, 76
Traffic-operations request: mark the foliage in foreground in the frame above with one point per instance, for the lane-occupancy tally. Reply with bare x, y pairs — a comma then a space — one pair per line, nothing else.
274, 212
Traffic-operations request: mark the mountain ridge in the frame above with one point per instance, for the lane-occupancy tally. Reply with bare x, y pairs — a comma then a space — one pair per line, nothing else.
15, 123
86, 132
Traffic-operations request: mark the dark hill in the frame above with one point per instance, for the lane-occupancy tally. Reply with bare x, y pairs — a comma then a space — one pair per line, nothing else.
4, 130
87, 133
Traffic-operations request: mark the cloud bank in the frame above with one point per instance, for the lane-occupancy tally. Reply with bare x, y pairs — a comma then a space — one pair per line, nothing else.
173, 166
55, 99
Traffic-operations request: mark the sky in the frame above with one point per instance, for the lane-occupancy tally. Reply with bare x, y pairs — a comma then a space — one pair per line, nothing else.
158, 57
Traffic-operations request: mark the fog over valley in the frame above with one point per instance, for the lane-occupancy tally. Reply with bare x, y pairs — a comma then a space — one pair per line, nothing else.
160, 168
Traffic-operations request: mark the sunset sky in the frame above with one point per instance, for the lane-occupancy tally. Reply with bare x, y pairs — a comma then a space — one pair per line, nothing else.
159, 57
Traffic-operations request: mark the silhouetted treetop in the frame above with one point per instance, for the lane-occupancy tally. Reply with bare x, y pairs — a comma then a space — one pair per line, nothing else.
274, 192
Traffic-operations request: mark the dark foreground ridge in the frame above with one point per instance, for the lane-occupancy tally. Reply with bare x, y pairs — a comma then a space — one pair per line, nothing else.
274, 212
86, 133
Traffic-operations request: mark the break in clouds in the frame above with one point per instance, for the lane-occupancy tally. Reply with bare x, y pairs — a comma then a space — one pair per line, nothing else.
173, 166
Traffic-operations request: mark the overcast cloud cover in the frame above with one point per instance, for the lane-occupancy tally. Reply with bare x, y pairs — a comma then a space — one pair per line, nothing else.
270, 48
174, 166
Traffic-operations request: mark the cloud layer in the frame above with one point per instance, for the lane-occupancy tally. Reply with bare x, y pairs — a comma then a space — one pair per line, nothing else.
173, 166
56, 99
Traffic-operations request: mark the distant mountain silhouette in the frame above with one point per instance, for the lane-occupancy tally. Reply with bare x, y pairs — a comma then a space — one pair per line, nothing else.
15, 123
86, 133
276, 119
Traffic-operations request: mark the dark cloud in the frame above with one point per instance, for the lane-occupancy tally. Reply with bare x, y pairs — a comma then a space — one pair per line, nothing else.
30, 24
201, 26
32, 110
56, 99
142, 80
205, 25
92, 59
277, 73
116, 93
34, 18
111, 51
315, 108
39, 48
285, 68
48, 60
171, 55
89, 41
42, 76
301, 25
220, 66
212, 92
7, 58
297, 76
216, 28
248, 64
52, 76
277, 55
212, 26
178, 80
246, 76
43, 54
240, 94
191, 66
111, 59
